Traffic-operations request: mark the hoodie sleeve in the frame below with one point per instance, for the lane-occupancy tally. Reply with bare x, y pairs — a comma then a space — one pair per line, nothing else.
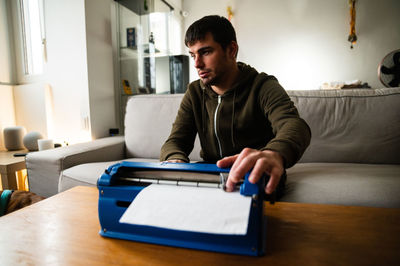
181, 139
292, 134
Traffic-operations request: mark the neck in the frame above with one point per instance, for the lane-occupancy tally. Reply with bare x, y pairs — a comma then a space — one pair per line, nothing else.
227, 82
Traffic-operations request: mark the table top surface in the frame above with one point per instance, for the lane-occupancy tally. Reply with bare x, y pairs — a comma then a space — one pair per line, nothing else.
7, 157
63, 230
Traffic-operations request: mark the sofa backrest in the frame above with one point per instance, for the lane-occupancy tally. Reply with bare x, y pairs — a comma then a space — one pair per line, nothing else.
148, 123
352, 126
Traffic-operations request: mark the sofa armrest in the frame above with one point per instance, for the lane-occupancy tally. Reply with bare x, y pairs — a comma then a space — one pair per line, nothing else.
44, 167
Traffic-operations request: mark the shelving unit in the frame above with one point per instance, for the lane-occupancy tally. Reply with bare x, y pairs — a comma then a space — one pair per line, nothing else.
146, 57
135, 63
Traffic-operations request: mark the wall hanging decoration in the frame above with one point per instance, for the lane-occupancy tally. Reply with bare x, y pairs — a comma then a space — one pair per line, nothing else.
389, 69
230, 12
352, 37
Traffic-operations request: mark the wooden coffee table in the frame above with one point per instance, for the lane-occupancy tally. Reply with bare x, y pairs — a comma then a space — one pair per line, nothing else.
9, 165
63, 230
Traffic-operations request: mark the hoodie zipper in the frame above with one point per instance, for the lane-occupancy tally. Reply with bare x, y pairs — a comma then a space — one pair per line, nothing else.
215, 125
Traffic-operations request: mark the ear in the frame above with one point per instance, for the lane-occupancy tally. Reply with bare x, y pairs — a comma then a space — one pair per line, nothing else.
233, 49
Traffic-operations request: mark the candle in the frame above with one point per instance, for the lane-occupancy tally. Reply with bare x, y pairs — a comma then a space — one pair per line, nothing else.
45, 144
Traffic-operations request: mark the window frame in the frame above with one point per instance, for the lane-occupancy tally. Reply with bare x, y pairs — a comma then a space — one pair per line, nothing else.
21, 52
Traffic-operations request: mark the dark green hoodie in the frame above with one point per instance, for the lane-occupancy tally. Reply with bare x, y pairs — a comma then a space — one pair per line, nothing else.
255, 113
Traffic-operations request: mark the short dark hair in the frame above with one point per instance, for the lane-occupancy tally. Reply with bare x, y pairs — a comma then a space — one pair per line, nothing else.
220, 28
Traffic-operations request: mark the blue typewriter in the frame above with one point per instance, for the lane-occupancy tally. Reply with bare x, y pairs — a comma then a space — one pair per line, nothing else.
121, 183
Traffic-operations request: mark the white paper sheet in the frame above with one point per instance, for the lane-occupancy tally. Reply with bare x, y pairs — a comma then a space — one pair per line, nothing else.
196, 209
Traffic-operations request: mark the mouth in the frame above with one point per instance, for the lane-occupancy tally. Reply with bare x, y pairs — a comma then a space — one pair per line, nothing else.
204, 74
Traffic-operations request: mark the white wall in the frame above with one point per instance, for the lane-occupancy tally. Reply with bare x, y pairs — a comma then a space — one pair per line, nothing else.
304, 42
66, 69
80, 68
7, 114
6, 49
100, 67
31, 108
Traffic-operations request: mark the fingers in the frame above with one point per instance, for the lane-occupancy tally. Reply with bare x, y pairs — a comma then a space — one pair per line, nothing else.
274, 177
274, 170
174, 161
227, 161
260, 162
243, 163
258, 171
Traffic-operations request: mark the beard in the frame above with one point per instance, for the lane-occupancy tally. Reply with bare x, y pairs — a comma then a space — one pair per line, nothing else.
210, 81
215, 76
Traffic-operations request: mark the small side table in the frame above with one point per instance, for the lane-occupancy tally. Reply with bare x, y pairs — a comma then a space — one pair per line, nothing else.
10, 170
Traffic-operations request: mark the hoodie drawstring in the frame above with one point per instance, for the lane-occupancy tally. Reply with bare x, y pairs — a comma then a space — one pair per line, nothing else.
233, 118
203, 113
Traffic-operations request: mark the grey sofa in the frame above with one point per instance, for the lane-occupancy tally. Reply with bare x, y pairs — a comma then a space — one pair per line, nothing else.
352, 159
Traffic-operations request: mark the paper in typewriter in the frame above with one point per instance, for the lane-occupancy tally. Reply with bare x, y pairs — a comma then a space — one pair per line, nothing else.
196, 209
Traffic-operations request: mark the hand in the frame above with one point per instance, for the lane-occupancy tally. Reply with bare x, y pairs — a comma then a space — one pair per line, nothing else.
174, 161
266, 161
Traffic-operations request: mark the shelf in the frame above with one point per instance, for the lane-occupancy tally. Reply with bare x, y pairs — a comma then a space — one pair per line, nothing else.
129, 48
145, 47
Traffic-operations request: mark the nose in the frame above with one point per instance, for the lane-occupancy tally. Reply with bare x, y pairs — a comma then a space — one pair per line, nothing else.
198, 62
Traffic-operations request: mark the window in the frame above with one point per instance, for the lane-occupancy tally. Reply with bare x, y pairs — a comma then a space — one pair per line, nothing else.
30, 38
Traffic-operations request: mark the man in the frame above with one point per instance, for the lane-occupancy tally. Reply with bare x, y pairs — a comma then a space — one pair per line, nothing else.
244, 119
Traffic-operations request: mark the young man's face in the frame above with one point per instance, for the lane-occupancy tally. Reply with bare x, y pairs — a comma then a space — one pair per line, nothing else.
211, 61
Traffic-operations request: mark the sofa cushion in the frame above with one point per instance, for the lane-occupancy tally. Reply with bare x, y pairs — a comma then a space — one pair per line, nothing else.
351, 126
44, 167
344, 183
148, 123
88, 173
